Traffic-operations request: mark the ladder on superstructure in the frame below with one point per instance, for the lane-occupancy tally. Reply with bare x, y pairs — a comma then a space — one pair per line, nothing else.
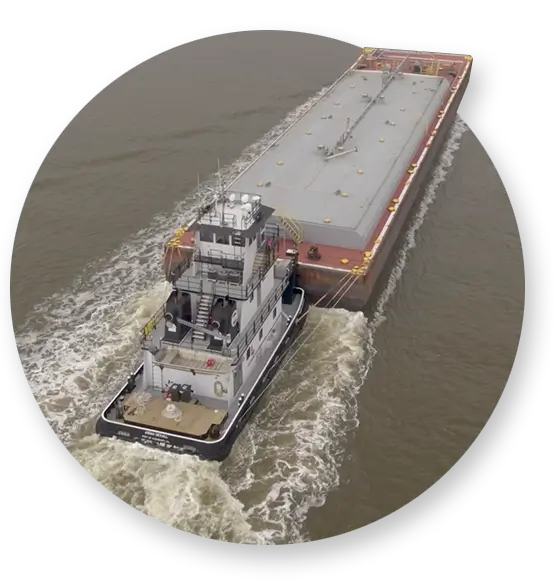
202, 319
432, 68
293, 227
385, 85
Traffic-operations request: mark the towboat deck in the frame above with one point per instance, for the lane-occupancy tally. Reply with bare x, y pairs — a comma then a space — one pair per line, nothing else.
147, 409
182, 356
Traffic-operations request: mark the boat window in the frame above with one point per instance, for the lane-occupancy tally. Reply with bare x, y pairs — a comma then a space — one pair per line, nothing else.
222, 240
206, 236
248, 352
261, 335
274, 313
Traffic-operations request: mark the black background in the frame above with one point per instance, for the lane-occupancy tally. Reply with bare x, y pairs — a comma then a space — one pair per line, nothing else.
490, 517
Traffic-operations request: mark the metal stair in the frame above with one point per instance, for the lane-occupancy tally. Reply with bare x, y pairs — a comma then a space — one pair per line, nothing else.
260, 262
203, 313
272, 230
293, 227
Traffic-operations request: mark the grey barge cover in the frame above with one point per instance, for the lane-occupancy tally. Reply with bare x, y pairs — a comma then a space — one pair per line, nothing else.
344, 176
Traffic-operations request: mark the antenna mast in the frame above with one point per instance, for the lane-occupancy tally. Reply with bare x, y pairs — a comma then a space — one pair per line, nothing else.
221, 193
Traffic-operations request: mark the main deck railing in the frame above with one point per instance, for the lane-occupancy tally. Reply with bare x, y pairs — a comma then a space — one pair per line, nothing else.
152, 322
213, 284
215, 214
173, 274
242, 341
219, 258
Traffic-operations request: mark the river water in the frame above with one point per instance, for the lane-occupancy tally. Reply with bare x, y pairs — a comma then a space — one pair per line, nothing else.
373, 409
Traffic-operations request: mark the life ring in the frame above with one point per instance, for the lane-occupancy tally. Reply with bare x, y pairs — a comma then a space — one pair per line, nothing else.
234, 318
219, 389
209, 363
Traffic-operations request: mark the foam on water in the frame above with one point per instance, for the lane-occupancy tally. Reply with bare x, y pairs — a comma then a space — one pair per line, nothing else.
288, 458
78, 346
181, 491
294, 447
439, 175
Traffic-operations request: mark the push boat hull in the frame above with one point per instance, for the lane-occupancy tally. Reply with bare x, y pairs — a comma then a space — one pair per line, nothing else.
216, 450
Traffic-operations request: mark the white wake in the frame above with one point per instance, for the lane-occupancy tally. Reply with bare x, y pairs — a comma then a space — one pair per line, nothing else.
83, 341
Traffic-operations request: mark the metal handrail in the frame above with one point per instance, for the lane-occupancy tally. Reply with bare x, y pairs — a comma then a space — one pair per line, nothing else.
220, 258
179, 269
211, 215
152, 322
242, 341
216, 287
215, 218
237, 291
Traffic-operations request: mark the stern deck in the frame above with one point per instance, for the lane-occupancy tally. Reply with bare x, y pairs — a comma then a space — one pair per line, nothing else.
147, 409
192, 358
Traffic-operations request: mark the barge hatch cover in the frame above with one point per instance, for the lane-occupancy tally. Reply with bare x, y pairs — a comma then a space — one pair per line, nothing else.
350, 190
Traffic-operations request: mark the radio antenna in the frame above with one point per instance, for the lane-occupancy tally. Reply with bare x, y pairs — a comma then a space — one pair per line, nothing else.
221, 193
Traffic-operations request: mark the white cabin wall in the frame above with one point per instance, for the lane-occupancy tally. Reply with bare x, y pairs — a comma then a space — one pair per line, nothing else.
237, 251
204, 247
148, 377
248, 309
249, 363
250, 252
267, 283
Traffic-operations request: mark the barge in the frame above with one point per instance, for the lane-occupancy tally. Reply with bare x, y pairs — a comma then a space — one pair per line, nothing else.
344, 176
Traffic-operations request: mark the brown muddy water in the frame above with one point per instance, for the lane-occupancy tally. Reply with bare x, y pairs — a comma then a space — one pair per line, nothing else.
374, 408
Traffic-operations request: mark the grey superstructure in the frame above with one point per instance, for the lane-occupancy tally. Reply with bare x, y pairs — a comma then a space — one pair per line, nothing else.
338, 199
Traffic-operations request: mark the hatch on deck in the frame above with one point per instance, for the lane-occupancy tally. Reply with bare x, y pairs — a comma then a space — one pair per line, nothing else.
338, 200
188, 418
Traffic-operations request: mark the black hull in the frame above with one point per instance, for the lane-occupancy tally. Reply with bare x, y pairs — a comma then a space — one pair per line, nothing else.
206, 450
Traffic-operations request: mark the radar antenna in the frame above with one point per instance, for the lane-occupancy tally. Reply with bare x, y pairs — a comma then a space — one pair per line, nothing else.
221, 194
